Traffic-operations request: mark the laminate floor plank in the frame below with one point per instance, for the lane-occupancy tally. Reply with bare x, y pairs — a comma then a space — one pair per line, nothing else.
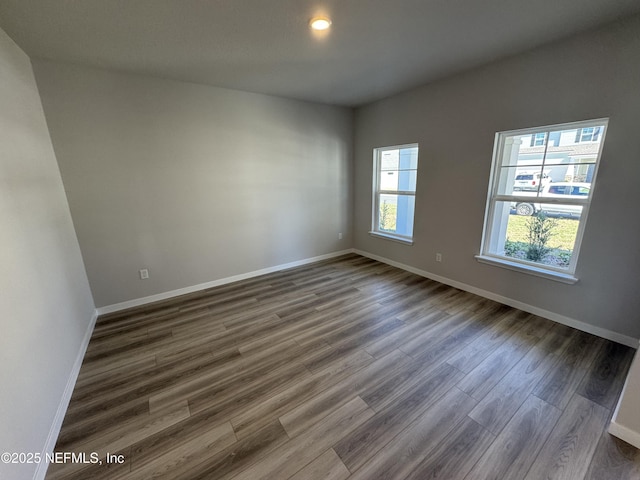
252, 419
327, 324
236, 458
341, 349
188, 321
456, 454
229, 402
364, 442
160, 379
477, 351
490, 371
80, 426
510, 456
411, 327
183, 455
262, 309
343, 369
496, 409
421, 343
287, 332
604, 381
121, 436
572, 366
350, 324
406, 382
125, 380
327, 466
313, 410
409, 448
295, 454
236, 375
127, 347
98, 373
569, 450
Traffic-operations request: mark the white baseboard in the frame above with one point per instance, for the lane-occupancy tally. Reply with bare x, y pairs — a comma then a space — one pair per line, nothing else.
52, 438
215, 283
623, 433
570, 322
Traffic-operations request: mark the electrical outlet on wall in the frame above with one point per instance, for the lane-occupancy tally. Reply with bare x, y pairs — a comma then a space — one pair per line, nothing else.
438, 257
144, 274
340, 236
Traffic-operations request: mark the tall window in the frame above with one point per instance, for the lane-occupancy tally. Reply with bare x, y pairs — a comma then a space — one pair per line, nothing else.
539, 199
394, 197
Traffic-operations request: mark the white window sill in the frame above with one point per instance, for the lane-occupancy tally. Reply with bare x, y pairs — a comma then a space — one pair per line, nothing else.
393, 238
529, 269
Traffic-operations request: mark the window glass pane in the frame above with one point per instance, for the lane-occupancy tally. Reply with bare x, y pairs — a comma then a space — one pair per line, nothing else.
540, 233
404, 180
396, 214
568, 191
407, 180
531, 180
538, 139
389, 180
389, 159
398, 169
567, 157
506, 180
409, 158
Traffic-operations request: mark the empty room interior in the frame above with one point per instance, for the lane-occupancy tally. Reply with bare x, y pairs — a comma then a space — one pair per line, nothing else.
320, 239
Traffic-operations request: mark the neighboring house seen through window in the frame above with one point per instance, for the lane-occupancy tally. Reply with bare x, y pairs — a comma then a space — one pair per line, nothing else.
588, 134
539, 197
394, 178
538, 139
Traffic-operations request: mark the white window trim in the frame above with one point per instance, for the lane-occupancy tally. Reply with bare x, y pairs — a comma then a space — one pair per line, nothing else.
375, 207
393, 238
531, 269
545, 271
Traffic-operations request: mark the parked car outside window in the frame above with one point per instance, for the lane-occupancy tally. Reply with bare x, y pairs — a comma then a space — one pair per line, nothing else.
531, 181
554, 190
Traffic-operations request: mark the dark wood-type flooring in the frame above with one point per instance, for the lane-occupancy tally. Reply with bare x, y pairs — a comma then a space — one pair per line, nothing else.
347, 368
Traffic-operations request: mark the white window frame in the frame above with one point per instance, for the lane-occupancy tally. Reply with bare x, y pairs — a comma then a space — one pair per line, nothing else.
489, 234
377, 192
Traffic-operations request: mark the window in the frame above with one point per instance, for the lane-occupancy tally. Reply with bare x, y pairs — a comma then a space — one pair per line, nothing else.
539, 199
538, 139
588, 134
394, 193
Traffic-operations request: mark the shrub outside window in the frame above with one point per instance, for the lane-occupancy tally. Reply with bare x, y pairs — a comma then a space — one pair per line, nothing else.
539, 197
394, 191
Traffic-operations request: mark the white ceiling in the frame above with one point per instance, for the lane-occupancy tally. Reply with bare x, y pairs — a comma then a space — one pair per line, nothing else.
374, 49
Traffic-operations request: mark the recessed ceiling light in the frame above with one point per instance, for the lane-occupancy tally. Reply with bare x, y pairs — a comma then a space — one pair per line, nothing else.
320, 23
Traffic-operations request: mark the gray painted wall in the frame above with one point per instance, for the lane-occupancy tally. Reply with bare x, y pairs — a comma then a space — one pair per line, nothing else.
455, 120
193, 182
45, 301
